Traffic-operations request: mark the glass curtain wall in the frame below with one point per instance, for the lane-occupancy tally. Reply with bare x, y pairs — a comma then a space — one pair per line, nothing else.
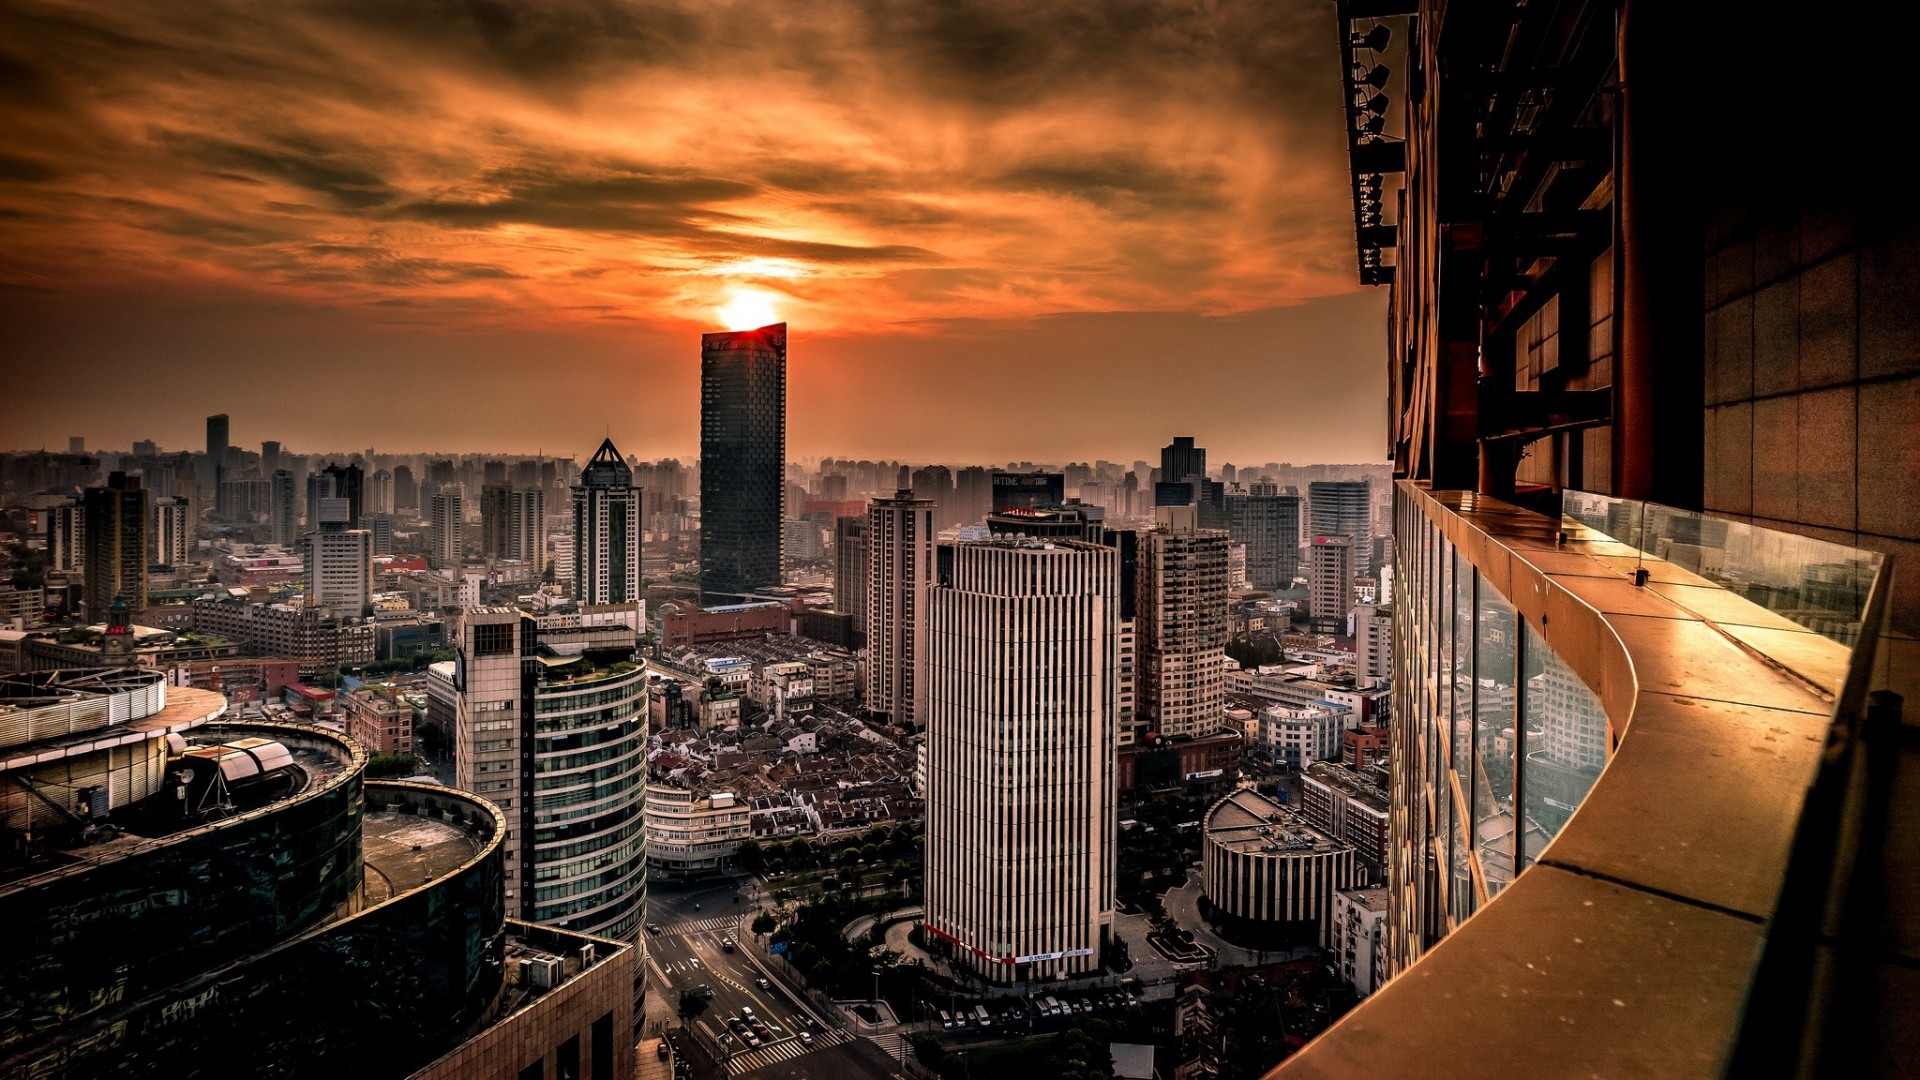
1496, 739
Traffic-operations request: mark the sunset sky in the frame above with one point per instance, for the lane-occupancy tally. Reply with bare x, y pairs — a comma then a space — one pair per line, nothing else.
999, 230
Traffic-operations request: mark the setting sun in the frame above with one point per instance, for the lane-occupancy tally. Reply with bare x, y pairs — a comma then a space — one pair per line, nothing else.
748, 309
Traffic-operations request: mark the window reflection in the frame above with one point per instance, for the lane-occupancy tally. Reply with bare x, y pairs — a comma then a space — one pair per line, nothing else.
1496, 654
1566, 744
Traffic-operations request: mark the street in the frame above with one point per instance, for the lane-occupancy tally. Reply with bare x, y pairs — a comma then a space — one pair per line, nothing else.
689, 952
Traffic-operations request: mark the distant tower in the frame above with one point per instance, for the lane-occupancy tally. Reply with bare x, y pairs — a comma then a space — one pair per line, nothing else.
170, 537
116, 543
1330, 567
1341, 508
743, 445
1182, 620
1022, 681
850, 569
606, 530
1269, 524
282, 522
899, 543
447, 538
216, 460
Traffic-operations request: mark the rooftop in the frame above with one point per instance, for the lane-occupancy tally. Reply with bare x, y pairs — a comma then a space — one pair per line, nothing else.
1247, 821
404, 850
1350, 783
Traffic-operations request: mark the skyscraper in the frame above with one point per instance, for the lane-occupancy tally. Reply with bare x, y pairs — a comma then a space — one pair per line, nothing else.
576, 840
66, 536
214, 466
406, 493
341, 481
1182, 622
170, 538
217, 438
899, 542
379, 493
1181, 460
340, 569
1027, 490
283, 524
850, 569
1330, 564
1021, 685
447, 541
116, 544
743, 443
513, 523
1342, 508
606, 530
1269, 524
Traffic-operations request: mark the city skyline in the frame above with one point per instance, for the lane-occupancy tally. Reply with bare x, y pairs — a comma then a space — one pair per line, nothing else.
276, 199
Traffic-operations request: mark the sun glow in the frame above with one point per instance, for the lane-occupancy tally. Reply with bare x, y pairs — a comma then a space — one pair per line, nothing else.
748, 309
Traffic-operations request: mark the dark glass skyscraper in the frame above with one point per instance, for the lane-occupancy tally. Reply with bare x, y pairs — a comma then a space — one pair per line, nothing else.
743, 449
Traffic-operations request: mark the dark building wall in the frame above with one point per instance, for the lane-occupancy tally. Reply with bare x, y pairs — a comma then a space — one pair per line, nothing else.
96, 937
378, 994
743, 439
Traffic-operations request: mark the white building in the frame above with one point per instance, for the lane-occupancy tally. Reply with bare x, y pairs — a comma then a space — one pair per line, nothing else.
1373, 644
899, 539
1021, 705
171, 534
1298, 737
340, 570
1354, 934
1330, 581
690, 833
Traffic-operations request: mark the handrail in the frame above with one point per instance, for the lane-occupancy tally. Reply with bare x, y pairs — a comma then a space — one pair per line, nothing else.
1627, 947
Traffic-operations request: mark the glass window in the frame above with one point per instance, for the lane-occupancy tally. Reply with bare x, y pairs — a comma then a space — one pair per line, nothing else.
1496, 658
1565, 743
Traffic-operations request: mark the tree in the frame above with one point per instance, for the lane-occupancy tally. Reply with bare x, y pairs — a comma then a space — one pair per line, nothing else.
764, 923
692, 1004
752, 859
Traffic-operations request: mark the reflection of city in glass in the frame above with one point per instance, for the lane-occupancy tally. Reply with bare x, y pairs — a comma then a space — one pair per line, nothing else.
1492, 696
1819, 585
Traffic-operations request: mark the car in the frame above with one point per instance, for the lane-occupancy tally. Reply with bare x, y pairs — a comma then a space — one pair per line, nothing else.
806, 1038
746, 1011
653, 928
705, 991
726, 944
763, 983
660, 1049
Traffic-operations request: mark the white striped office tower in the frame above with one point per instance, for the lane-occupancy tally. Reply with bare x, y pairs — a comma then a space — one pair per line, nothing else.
1022, 685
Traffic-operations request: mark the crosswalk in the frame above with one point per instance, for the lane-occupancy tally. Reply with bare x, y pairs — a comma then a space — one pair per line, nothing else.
784, 1050
896, 1045
701, 926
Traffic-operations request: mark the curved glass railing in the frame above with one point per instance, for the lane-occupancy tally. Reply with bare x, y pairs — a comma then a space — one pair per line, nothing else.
1609, 729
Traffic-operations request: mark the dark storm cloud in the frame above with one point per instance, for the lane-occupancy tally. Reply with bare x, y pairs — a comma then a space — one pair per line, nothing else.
304, 161
1120, 182
567, 42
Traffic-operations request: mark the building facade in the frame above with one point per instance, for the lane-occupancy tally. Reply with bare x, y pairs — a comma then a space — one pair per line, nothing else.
1181, 626
446, 530
1262, 863
1022, 686
283, 519
850, 571
1330, 581
743, 463
900, 567
1268, 523
691, 833
171, 533
1342, 508
340, 570
513, 524
551, 728
115, 535
606, 530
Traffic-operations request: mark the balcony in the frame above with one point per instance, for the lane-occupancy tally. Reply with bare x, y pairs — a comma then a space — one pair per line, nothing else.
1632, 796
